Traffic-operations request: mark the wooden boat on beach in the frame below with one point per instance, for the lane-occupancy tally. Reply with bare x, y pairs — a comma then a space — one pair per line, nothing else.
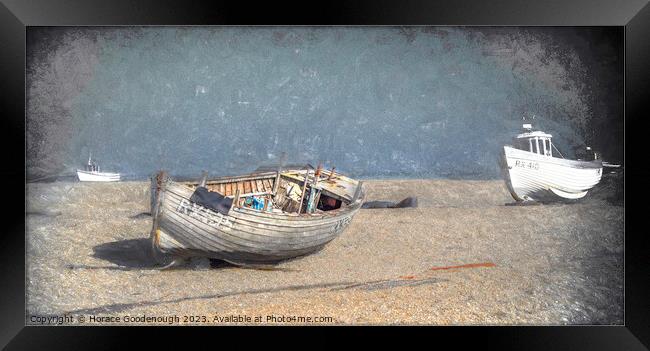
258, 218
533, 172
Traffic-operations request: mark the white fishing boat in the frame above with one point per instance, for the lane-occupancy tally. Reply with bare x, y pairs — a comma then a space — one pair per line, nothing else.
92, 174
533, 172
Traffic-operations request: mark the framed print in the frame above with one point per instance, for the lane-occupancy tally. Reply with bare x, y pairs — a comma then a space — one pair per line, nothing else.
189, 167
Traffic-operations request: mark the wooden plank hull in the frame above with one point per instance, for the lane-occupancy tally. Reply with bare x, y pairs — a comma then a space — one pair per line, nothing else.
244, 235
534, 177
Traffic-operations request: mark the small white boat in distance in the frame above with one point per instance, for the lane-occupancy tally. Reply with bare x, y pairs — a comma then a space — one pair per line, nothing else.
533, 173
92, 174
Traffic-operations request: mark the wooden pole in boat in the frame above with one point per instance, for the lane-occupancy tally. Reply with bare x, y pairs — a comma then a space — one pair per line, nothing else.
204, 178
276, 183
304, 189
235, 201
315, 204
159, 188
319, 169
331, 173
314, 193
283, 159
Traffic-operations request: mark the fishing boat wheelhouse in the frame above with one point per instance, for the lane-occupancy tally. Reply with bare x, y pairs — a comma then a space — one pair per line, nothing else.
536, 142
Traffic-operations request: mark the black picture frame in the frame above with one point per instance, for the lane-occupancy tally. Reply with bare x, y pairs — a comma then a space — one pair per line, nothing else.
15, 16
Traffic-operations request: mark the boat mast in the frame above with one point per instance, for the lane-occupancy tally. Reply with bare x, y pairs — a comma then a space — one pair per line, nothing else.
89, 166
276, 183
314, 193
304, 189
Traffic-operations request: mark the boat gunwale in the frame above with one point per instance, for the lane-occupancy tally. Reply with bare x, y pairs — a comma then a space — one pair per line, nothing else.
271, 175
553, 175
307, 217
309, 225
578, 164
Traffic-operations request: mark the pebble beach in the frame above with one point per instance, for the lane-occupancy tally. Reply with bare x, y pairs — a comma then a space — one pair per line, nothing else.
464, 256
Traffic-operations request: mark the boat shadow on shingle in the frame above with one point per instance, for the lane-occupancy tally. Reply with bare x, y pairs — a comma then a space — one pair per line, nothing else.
126, 254
141, 215
410, 201
135, 254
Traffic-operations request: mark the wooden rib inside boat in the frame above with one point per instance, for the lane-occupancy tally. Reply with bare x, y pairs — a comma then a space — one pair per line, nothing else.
259, 218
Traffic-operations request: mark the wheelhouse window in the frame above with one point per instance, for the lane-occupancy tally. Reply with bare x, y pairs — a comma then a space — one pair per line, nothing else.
521, 144
533, 145
539, 145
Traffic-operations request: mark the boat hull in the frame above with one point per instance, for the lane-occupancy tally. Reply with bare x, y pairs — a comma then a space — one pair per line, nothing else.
243, 236
85, 176
533, 177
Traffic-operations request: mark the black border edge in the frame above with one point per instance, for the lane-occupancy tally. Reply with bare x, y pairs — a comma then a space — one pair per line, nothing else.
637, 244
360, 12
12, 171
12, 39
